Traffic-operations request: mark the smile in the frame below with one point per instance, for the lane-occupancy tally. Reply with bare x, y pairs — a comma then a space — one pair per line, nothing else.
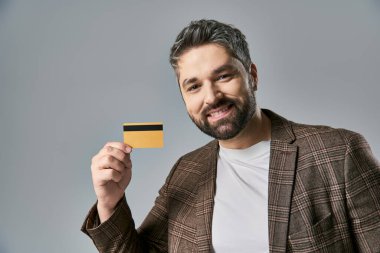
219, 113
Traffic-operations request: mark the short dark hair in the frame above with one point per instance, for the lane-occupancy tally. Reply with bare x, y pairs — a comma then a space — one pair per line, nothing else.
206, 31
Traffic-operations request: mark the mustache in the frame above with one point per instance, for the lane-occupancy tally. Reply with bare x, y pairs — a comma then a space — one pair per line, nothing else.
219, 103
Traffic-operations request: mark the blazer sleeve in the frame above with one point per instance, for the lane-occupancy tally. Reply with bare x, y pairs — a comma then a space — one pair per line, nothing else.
362, 174
118, 233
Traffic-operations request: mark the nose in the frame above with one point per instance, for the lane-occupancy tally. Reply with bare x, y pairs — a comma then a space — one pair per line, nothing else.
212, 94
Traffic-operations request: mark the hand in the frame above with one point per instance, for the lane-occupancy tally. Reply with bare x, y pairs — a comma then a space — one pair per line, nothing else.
111, 172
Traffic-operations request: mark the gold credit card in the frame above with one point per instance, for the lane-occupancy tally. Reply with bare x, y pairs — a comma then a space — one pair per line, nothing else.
144, 135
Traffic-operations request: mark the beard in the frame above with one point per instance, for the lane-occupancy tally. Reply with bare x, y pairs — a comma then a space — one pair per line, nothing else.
230, 126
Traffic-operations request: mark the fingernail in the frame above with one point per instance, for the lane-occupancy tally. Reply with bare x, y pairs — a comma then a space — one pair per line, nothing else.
128, 149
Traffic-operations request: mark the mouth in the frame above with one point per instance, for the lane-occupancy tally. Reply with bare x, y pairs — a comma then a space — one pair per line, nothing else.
219, 113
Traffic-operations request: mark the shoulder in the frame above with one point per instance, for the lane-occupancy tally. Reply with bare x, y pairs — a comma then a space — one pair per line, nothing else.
286, 130
328, 142
202, 154
325, 134
194, 164
199, 159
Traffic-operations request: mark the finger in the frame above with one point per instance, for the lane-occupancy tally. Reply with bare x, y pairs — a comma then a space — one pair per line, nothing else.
119, 145
107, 175
109, 161
119, 150
120, 155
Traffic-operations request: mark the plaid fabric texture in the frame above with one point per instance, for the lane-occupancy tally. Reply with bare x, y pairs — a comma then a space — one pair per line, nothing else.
324, 196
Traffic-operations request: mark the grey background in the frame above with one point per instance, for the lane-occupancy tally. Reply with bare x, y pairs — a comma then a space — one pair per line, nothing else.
71, 72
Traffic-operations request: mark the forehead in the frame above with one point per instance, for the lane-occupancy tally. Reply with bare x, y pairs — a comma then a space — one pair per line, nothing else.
202, 59
203, 52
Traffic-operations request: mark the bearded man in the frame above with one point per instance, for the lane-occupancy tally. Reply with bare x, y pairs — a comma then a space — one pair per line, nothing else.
265, 184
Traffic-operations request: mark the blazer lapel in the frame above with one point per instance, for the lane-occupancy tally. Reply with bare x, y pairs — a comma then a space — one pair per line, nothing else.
205, 201
282, 167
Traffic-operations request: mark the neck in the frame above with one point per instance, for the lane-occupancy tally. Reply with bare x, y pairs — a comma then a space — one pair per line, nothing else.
258, 129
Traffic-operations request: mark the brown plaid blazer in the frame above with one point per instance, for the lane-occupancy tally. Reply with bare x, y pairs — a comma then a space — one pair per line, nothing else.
324, 196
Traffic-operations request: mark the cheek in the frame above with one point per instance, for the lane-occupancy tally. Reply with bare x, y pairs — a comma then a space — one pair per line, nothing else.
193, 104
235, 89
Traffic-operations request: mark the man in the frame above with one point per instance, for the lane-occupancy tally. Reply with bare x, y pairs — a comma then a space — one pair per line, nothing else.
265, 184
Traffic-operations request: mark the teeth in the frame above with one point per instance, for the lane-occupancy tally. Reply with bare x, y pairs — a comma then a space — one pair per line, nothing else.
217, 113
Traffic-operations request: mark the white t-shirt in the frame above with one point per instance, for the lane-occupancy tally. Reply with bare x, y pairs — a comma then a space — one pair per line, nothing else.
240, 218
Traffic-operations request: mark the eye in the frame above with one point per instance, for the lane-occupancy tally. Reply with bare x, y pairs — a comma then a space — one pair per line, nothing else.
193, 87
224, 77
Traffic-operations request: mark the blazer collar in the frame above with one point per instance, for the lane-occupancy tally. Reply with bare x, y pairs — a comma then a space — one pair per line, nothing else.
282, 167
281, 128
205, 199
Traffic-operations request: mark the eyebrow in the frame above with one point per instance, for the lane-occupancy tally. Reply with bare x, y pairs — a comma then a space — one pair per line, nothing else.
224, 68
187, 82
219, 70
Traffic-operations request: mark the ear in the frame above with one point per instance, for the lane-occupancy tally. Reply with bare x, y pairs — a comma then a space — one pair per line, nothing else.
253, 73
